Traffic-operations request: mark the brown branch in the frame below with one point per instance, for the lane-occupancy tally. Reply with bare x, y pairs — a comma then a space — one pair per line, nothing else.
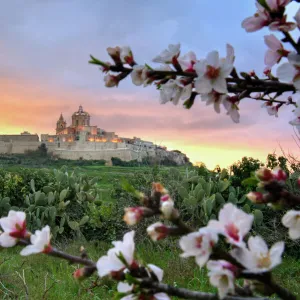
188, 294
288, 38
267, 279
278, 194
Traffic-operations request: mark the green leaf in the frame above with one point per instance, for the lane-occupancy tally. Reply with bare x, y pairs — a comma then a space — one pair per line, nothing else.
232, 198
208, 188
252, 181
51, 198
224, 185
84, 220
190, 202
73, 225
47, 189
200, 195
243, 199
258, 217
220, 199
183, 193
62, 221
63, 194
93, 181
32, 185
246, 208
232, 190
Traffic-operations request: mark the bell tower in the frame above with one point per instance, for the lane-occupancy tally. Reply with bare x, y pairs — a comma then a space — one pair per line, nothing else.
61, 124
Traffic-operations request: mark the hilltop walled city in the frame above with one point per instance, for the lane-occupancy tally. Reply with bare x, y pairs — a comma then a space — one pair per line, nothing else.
81, 140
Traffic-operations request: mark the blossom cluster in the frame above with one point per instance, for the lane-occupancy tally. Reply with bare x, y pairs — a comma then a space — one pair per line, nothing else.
14, 229
233, 224
266, 177
181, 77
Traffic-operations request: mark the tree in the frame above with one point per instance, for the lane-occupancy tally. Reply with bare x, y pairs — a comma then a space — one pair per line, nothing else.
243, 169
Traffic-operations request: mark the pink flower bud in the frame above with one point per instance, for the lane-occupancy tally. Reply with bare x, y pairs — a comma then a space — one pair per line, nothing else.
111, 80
267, 71
127, 56
279, 175
133, 215
159, 188
114, 53
264, 174
79, 274
256, 197
298, 181
252, 73
157, 231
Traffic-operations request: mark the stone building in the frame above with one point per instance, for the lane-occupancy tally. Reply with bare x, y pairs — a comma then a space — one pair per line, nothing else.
81, 140
80, 127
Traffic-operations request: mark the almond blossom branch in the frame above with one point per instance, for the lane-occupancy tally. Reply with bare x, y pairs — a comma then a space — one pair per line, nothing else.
58, 253
188, 294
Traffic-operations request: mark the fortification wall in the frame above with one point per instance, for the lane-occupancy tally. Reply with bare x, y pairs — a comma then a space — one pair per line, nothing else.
106, 154
19, 138
92, 150
18, 147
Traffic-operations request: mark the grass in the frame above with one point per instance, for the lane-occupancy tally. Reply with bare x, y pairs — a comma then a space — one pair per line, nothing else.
42, 272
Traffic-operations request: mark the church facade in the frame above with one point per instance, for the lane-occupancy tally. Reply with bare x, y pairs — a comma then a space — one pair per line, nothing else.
79, 127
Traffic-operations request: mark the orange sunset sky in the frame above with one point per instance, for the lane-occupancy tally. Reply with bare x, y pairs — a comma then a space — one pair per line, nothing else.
44, 53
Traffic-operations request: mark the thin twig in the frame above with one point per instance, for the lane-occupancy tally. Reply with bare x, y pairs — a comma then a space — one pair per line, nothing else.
24, 283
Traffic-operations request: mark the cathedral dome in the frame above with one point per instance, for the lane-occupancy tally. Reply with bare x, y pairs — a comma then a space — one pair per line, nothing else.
81, 112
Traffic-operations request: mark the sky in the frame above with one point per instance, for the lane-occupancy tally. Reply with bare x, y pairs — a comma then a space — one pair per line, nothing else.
44, 71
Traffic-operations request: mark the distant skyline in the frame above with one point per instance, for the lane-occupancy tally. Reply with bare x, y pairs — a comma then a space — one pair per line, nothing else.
44, 53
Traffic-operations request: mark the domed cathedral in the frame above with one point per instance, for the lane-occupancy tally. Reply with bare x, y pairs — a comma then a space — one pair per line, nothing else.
80, 129
80, 118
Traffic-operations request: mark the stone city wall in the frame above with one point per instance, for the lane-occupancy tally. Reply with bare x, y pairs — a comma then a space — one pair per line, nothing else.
17, 147
91, 150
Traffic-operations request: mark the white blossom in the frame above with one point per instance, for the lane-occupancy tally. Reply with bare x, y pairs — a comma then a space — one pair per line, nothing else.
166, 206
126, 288
291, 220
221, 275
214, 98
233, 223
126, 55
188, 61
40, 242
297, 18
271, 109
168, 55
258, 258
111, 80
110, 262
136, 75
212, 73
14, 227
275, 52
232, 109
199, 244
173, 91
290, 71
260, 19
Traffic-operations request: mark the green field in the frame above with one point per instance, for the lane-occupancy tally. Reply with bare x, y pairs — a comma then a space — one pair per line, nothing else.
41, 272
42, 277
